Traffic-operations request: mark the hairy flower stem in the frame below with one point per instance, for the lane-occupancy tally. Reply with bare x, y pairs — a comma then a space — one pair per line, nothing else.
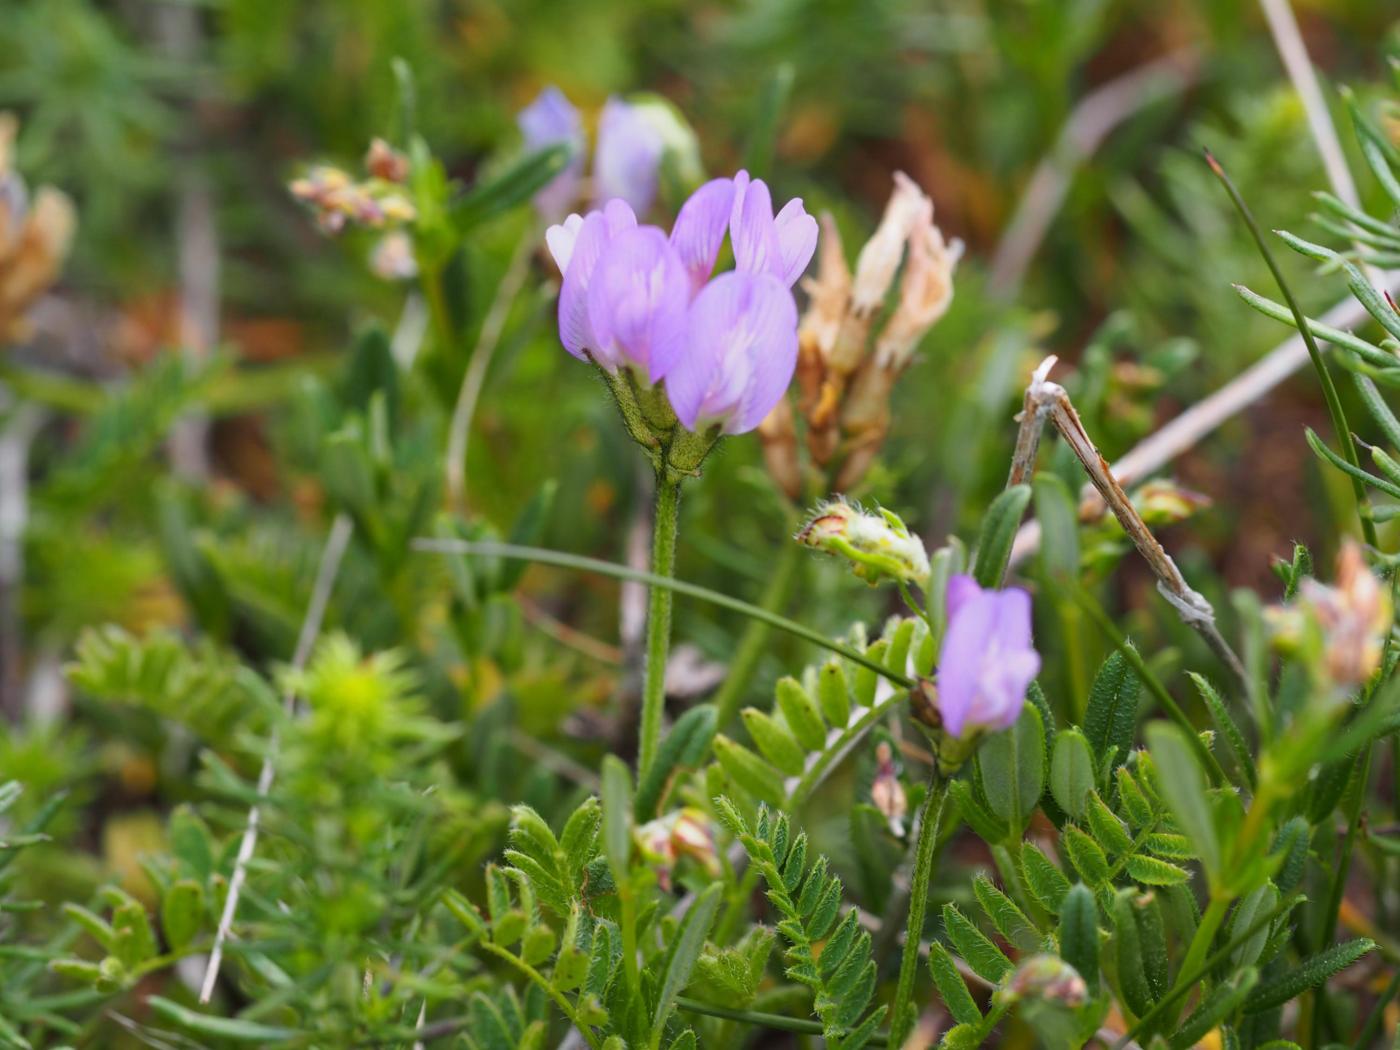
903, 1011
665, 523
755, 637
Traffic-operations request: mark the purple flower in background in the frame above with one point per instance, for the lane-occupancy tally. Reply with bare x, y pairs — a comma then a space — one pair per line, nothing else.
633, 298
550, 119
628, 158
626, 163
987, 661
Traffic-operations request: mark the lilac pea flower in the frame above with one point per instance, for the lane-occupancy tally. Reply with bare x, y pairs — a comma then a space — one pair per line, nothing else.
548, 120
628, 158
740, 352
781, 245
987, 660
577, 246
637, 302
700, 227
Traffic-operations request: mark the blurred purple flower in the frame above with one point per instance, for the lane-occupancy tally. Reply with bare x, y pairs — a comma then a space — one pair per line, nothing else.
726, 346
987, 660
628, 158
550, 119
625, 165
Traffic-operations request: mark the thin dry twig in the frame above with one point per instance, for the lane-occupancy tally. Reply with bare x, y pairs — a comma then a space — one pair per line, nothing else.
326, 571
1186, 430
1046, 400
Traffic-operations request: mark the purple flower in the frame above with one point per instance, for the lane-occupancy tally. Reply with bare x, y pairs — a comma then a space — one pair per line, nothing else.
632, 298
987, 661
628, 157
551, 119
781, 246
740, 352
625, 165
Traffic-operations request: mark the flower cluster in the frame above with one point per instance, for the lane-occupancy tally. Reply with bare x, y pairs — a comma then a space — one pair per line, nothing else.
34, 239
844, 378
879, 545
633, 137
643, 305
1340, 629
337, 198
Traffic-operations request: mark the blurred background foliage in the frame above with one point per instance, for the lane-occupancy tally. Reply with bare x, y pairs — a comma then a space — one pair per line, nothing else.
175, 127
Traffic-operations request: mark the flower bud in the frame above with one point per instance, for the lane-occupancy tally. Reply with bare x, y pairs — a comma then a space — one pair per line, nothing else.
684, 833
1048, 978
986, 661
384, 162
1346, 623
886, 792
879, 545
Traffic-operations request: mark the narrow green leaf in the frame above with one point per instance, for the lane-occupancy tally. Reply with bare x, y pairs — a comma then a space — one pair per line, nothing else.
1086, 856
1079, 933
230, 1028
684, 950
1183, 785
1009, 920
1149, 871
1071, 772
1108, 830
617, 816
774, 742
952, 989
1227, 726
999, 527
1312, 972
749, 771
1111, 717
1012, 765
987, 960
800, 712
1046, 882
833, 693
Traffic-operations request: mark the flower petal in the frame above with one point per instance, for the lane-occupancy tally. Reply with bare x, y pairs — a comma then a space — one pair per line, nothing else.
960, 661
595, 232
552, 118
797, 240
699, 228
740, 353
751, 228
628, 157
560, 239
961, 588
637, 303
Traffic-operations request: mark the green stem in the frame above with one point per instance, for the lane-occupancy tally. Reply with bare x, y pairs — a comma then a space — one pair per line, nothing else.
1188, 979
664, 526
549, 989
1205, 934
755, 638
903, 1011
1324, 377
580, 563
1154, 684
1327, 921
756, 1017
